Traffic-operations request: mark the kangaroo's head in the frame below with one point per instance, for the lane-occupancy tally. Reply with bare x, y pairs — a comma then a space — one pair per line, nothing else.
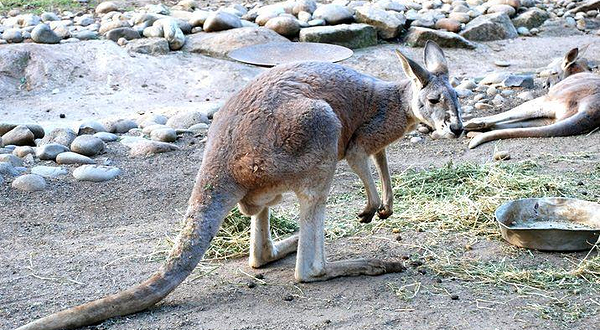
570, 64
434, 101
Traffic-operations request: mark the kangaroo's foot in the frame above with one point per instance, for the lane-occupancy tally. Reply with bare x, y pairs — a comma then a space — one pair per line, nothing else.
356, 267
273, 252
384, 211
366, 216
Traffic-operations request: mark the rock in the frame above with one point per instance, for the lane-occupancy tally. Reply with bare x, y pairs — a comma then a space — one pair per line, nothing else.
284, 25
154, 32
198, 18
61, 30
448, 24
570, 21
388, 24
219, 21
506, 9
111, 25
62, 136
73, 158
119, 125
50, 151
164, 134
523, 31
501, 155
49, 17
416, 139
84, 20
526, 96
516, 4
502, 64
334, 14
347, 35
189, 5
29, 182
218, 44
460, 17
490, 27
418, 36
89, 127
6, 169
159, 9
532, 18
494, 78
123, 32
11, 159
308, 6
187, 119
498, 100
23, 151
513, 80
21, 135
106, 7
172, 33
148, 129
96, 173
86, 35
150, 46
6, 127
199, 129
43, 34
106, 137
391, 5
87, 145
145, 148
467, 84
12, 35
49, 171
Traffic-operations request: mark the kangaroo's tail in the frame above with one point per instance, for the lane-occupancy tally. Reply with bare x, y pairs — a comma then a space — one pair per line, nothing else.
208, 206
577, 124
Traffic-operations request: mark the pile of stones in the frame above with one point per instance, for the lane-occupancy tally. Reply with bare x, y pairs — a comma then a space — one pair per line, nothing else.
29, 155
452, 23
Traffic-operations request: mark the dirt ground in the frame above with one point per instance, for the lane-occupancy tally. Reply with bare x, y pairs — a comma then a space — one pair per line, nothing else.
79, 241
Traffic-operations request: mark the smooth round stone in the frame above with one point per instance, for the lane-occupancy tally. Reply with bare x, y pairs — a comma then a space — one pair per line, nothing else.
219, 21
119, 125
23, 151
145, 148
49, 171
284, 25
106, 7
106, 137
29, 182
501, 155
416, 139
96, 173
19, 136
62, 136
90, 127
199, 128
334, 14
502, 64
148, 129
12, 35
43, 34
6, 169
87, 145
50, 151
187, 119
73, 158
448, 24
11, 159
166, 134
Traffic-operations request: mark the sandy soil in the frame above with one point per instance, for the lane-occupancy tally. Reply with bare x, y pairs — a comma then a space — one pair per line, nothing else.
79, 241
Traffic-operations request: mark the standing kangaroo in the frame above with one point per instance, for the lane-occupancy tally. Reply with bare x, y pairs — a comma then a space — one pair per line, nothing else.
286, 131
571, 107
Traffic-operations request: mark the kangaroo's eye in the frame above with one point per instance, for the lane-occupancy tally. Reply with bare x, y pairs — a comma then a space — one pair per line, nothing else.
434, 100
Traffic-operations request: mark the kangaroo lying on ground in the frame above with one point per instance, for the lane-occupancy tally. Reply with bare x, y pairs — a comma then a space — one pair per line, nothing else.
286, 131
571, 107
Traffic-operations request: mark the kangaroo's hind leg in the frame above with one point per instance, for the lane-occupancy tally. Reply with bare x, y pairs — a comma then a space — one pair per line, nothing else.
262, 248
529, 110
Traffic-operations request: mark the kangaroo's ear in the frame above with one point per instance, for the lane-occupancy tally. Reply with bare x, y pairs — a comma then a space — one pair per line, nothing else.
435, 61
570, 57
413, 70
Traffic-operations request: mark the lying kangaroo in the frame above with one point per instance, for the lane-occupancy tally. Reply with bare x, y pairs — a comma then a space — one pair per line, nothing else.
571, 107
571, 64
286, 131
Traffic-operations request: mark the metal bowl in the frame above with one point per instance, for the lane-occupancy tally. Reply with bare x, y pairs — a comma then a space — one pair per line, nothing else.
274, 53
550, 224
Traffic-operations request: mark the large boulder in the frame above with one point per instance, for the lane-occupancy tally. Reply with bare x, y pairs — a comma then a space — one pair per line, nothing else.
20, 135
287, 26
490, 27
532, 18
220, 43
418, 36
334, 14
388, 23
43, 34
347, 35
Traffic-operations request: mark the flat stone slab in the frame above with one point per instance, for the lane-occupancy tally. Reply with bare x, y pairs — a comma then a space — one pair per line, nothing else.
275, 53
347, 35
219, 44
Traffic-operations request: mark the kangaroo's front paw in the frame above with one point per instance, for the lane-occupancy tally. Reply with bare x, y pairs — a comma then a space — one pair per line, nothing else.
384, 212
474, 125
366, 215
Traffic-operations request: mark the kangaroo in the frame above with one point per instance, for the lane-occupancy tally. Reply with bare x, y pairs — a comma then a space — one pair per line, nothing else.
286, 131
571, 107
568, 66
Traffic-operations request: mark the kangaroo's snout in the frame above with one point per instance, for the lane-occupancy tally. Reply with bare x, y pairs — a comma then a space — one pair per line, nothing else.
456, 128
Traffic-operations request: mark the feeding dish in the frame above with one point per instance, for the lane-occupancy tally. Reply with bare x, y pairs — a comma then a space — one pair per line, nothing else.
550, 224
274, 53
